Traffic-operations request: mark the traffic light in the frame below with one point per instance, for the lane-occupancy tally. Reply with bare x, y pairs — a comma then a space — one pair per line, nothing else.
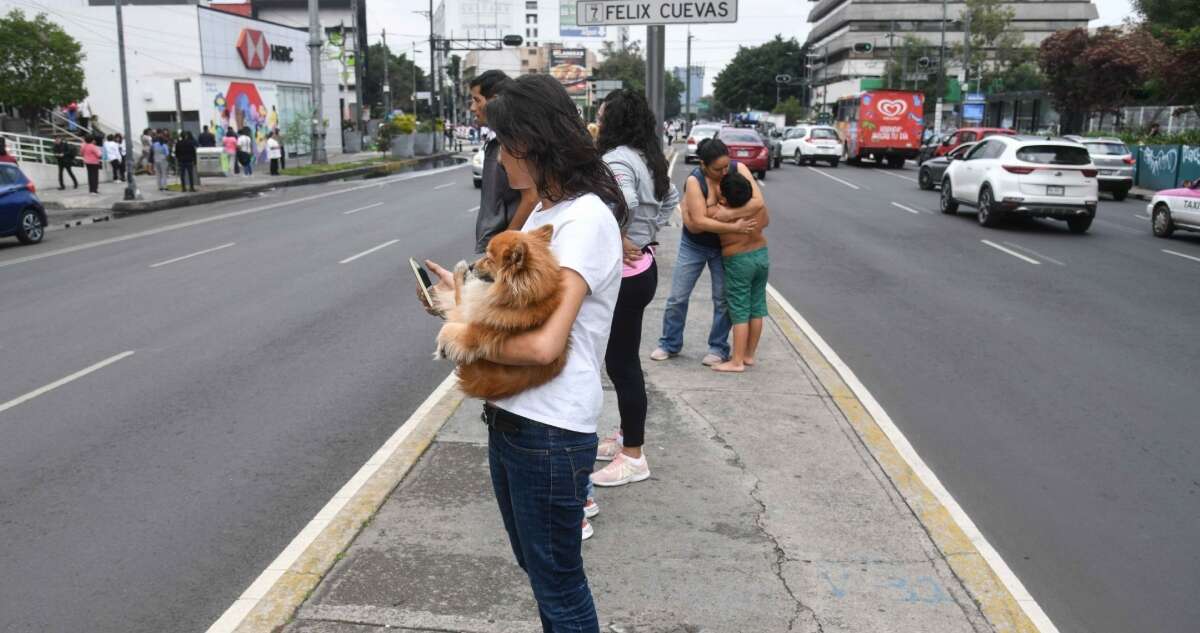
863, 47
513, 40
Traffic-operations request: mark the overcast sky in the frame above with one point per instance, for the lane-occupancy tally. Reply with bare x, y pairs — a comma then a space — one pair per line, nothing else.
713, 46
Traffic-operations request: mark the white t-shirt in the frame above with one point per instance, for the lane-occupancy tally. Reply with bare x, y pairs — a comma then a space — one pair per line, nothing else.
273, 148
243, 143
588, 241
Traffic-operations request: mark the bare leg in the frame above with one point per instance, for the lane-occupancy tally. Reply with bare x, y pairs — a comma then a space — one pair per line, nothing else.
736, 363
632, 451
756, 328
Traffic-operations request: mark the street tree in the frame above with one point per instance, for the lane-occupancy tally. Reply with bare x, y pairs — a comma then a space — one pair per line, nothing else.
1175, 14
791, 109
748, 81
400, 79
995, 53
41, 67
1175, 23
629, 67
913, 66
1101, 71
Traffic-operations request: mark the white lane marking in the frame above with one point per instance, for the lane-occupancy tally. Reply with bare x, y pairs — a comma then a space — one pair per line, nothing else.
1170, 252
369, 206
884, 171
203, 252
1014, 585
1026, 249
844, 182
472, 209
909, 209
237, 612
443, 186
62, 381
222, 216
1141, 217
368, 251
1011, 252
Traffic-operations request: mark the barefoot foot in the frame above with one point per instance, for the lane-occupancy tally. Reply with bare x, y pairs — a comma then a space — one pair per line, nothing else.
749, 362
730, 367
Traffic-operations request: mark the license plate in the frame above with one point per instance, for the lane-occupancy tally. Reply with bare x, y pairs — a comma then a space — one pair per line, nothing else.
743, 154
1107, 172
1054, 190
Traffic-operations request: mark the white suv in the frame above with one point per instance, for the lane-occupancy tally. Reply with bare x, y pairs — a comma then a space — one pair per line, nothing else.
1015, 175
812, 143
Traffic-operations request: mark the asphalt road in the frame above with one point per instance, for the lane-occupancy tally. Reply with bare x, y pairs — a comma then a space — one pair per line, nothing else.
1058, 401
145, 496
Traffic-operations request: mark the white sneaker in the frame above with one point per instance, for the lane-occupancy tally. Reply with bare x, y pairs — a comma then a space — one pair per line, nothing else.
711, 359
608, 448
587, 530
591, 508
622, 471
660, 354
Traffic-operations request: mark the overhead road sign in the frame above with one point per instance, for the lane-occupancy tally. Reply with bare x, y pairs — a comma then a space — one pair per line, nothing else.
629, 12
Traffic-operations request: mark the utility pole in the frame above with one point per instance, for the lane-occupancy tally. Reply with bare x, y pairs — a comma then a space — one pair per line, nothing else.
314, 53
687, 125
941, 87
178, 102
414, 89
966, 56
131, 192
433, 78
656, 36
360, 56
387, 84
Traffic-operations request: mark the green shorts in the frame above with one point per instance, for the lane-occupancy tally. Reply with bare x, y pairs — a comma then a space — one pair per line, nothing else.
746, 285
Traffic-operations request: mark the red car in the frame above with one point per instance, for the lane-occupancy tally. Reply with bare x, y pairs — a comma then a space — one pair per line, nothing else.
958, 137
746, 146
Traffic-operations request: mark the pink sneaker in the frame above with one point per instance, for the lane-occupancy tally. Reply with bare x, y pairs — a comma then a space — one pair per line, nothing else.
609, 448
623, 470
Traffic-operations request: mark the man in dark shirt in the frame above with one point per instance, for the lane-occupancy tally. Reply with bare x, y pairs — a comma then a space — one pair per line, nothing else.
500, 207
207, 139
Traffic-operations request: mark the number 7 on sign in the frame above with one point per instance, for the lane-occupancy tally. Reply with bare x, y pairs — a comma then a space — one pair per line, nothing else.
595, 12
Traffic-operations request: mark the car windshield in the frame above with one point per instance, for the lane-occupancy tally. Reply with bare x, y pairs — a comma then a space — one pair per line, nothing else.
961, 149
1054, 155
741, 136
824, 134
1107, 149
704, 132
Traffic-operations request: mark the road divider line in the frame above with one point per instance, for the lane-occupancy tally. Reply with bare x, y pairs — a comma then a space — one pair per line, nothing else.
369, 206
1000, 594
64, 380
473, 209
1141, 217
1177, 254
884, 171
1011, 252
1035, 253
443, 186
189, 256
909, 209
844, 182
368, 251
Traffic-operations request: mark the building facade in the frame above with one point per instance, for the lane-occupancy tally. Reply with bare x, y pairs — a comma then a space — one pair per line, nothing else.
695, 79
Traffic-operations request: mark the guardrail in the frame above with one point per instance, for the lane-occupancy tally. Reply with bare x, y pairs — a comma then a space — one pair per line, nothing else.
1166, 166
34, 149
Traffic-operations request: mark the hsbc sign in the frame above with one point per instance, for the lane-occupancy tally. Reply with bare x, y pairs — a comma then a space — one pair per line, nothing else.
254, 50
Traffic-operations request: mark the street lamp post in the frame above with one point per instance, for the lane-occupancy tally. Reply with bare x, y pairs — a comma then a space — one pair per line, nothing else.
314, 48
941, 89
131, 192
179, 104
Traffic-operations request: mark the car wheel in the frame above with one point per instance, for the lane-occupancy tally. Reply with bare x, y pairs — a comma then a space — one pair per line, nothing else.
30, 229
1161, 222
478, 183
925, 179
761, 175
833, 162
987, 214
798, 158
1079, 225
779, 161
948, 203
895, 162
1119, 194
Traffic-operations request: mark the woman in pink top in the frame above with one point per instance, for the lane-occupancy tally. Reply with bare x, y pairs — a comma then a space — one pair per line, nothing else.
228, 152
91, 160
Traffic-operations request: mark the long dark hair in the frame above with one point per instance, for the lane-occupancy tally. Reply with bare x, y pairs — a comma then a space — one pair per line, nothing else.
711, 149
535, 120
629, 121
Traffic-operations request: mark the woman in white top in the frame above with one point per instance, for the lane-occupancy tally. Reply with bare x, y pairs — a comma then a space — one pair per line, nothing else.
542, 442
275, 152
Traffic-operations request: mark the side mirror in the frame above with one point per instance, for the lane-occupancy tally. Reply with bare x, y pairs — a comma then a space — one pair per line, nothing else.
946, 143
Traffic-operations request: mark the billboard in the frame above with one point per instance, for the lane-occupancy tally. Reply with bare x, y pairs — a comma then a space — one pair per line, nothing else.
569, 67
569, 27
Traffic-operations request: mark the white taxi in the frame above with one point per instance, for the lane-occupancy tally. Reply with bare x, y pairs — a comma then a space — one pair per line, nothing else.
1175, 209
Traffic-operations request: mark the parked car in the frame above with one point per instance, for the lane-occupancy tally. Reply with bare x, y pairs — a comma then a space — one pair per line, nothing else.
1175, 209
931, 171
1029, 176
1113, 160
21, 213
951, 140
809, 144
774, 140
699, 133
746, 146
477, 167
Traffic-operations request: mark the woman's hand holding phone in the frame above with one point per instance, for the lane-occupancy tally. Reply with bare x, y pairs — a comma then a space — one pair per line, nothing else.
444, 284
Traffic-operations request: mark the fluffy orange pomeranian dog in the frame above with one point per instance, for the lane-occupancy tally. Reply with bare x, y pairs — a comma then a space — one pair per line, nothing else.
512, 289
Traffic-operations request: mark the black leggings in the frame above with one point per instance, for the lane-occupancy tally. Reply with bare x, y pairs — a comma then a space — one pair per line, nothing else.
623, 359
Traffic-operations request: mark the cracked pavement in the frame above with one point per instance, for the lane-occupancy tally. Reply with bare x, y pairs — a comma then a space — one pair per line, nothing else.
764, 513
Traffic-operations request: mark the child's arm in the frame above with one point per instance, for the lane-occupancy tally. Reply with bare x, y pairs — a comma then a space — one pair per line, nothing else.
695, 214
725, 214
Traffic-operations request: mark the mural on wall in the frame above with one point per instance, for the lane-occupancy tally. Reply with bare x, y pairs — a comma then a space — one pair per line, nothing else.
255, 106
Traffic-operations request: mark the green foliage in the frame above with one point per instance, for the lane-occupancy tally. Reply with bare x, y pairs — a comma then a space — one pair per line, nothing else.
748, 81
400, 78
675, 91
792, 109
1141, 136
903, 70
405, 124
40, 65
297, 134
998, 58
425, 126
628, 66
1175, 14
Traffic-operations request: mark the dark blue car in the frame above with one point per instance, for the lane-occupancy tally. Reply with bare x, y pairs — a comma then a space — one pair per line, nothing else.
21, 213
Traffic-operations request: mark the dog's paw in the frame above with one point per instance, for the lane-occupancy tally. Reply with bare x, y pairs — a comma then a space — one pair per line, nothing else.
449, 346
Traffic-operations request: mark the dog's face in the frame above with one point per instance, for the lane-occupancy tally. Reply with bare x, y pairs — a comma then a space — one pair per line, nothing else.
511, 253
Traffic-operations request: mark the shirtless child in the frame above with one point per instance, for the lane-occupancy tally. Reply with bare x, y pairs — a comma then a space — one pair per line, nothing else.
746, 265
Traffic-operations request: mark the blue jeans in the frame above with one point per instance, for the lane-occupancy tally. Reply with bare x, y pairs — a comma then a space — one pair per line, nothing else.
540, 477
689, 264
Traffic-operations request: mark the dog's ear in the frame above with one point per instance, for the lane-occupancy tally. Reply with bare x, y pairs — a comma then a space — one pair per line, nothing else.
515, 255
543, 233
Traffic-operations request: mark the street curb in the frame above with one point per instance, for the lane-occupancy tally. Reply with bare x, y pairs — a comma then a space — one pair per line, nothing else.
124, 208
273, 598
966, 556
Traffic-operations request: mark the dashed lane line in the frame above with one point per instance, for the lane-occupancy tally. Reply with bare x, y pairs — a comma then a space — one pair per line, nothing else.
1011, 252
1178, 254
191, 255
844, 182
369, 206
473, 209
368, 251
1026, 249
64, 380
909, 209
884, 171
444, 185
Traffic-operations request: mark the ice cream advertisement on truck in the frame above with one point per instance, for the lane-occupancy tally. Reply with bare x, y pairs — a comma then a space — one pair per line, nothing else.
882, 125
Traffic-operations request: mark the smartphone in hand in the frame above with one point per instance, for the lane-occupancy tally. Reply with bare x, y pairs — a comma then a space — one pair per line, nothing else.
423, 281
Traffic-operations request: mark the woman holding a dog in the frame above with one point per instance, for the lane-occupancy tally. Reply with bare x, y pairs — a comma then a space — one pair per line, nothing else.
542, 442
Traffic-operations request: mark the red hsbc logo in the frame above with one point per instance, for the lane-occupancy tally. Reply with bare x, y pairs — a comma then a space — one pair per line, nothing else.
253, 48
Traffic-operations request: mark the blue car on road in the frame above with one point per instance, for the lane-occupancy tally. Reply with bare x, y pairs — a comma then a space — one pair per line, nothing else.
21, 213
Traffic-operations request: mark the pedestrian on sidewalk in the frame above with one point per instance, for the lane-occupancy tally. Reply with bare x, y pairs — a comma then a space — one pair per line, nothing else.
72, 116
162, 151
245, 149
64, 155
700, 246
185, 157
206, 138
5, 157
501, 207
121, 157
746, 267
112, 154
91, 162
633, 151
229, 152
145, 160
541, 441
275, 151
